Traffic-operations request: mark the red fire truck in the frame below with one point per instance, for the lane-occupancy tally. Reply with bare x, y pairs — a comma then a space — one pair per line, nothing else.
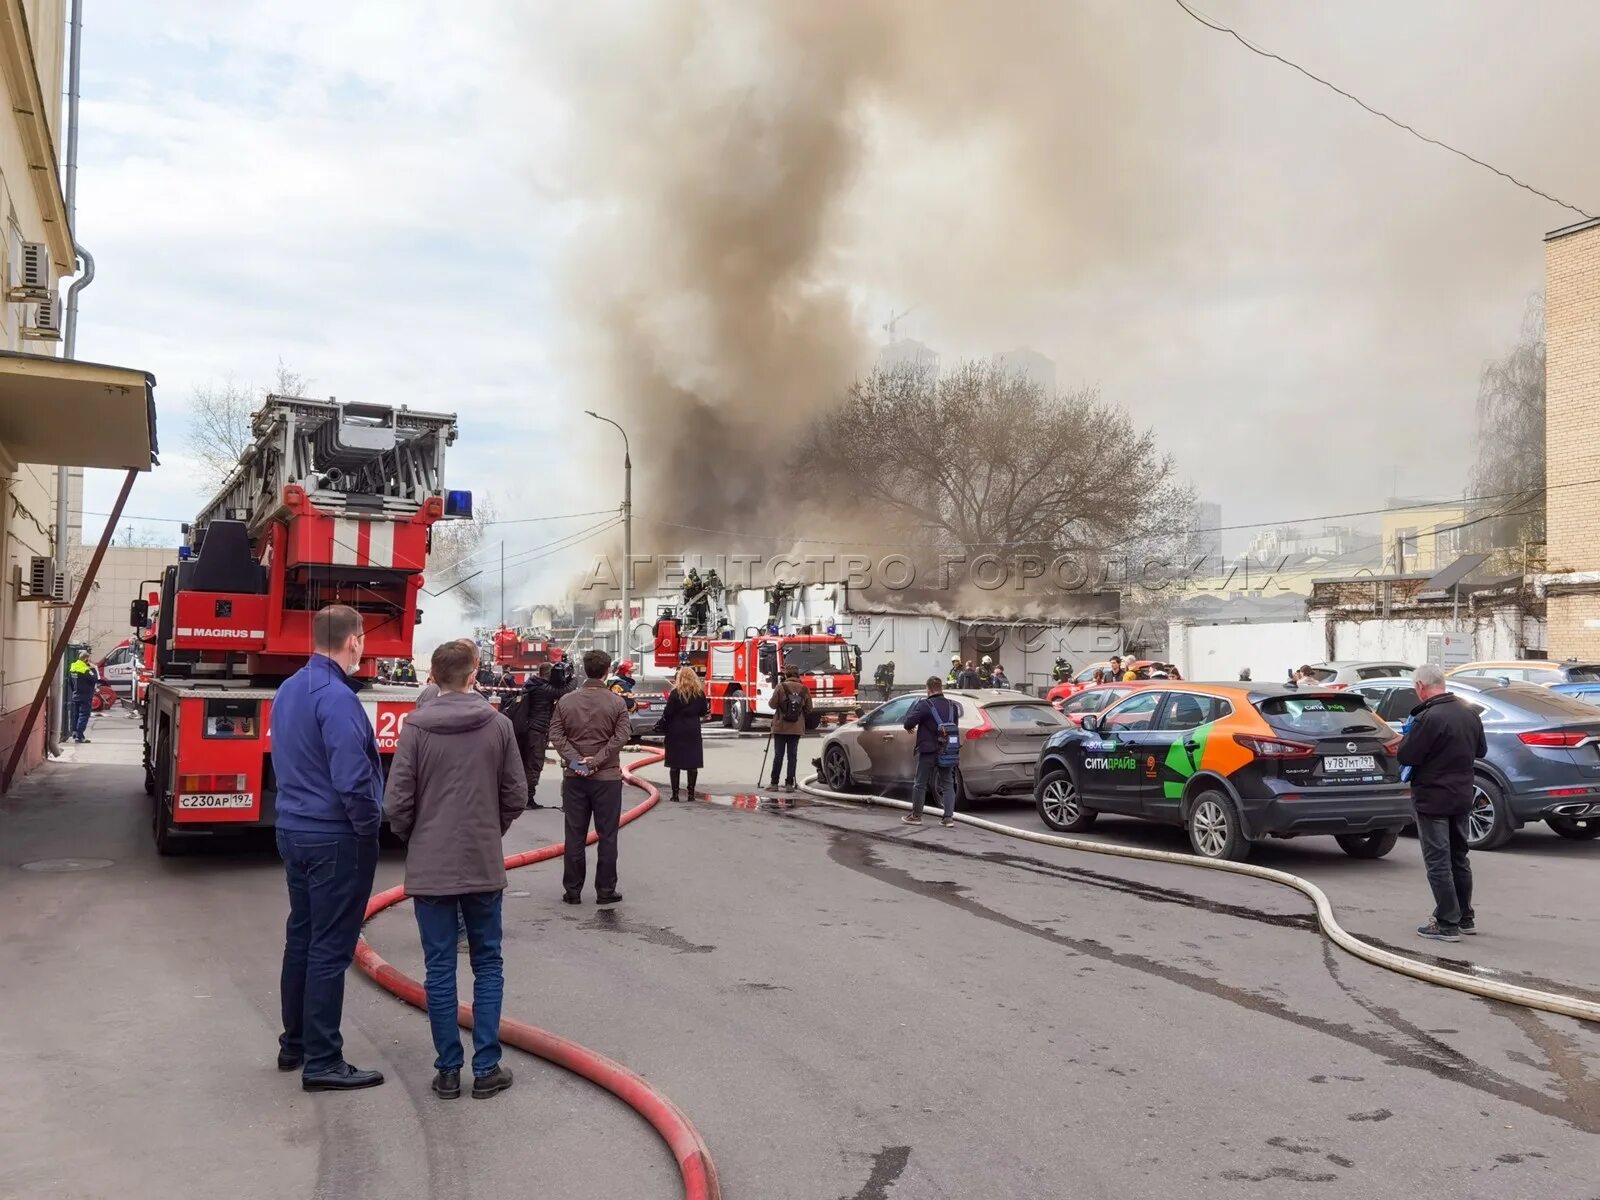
520, 651
331, 504
740, 673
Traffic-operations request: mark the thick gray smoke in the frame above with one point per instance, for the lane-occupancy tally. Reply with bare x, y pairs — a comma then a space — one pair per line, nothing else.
733, 153
1241, 259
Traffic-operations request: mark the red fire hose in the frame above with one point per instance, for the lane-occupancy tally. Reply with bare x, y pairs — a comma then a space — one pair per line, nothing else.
685, 1142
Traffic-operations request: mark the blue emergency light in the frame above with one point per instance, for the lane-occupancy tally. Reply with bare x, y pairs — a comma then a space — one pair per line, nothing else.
458, 504
185, 553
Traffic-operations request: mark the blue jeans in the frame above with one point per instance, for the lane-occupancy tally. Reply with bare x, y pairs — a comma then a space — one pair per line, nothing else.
330, 878
436, 922
81, 706
941, 779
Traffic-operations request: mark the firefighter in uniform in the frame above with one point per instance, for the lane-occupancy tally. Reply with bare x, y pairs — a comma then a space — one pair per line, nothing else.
953, 678
713, 593
622, 682
986, 672
777, 597
694, 601
1061, 672
884, 678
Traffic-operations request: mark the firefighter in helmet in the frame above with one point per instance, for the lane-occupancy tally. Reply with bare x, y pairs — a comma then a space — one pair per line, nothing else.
694, 601
883, 677
1061, 672
953, 678
986, 672
622, 682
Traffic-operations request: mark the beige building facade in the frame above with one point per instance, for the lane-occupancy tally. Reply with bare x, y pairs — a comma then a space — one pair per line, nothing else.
1572, 440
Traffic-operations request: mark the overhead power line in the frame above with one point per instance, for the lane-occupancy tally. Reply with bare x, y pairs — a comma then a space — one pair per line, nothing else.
1378, 112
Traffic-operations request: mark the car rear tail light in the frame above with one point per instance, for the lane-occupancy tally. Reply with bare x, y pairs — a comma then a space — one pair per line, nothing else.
1567, 792
983, 730
213, 783
1392, 746
1554, 737
1271, 747
1334, 687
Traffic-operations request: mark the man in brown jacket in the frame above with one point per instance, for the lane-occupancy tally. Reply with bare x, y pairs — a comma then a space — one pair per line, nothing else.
588, 731
454, 788
791, 706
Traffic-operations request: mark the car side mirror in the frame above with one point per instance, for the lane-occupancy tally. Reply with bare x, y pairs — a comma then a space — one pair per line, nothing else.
1091, 722
139, 613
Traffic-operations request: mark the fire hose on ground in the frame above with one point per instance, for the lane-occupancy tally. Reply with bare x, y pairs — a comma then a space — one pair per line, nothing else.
1552, 1002
683, 1140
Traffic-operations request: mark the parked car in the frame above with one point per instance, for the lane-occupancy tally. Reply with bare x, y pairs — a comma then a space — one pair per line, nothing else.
1233, 764
1589, 693
1536, 670
1543, 762
1001, 732
1342, 673
1092, 700
1085, 678
119, 668
649, 699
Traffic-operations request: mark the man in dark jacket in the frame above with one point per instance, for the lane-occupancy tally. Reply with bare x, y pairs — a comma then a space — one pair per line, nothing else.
454, 788
967, 677
330, 804
589, 729
1443, 741
925, 716
530, 717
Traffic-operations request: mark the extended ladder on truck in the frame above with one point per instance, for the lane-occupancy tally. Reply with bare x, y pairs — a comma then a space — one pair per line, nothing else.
330, 504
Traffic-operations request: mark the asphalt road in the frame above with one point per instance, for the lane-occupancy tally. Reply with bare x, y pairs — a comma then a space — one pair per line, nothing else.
846, 1008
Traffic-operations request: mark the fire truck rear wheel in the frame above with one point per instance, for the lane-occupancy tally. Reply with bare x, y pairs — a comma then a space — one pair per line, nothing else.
160, 803
740, 716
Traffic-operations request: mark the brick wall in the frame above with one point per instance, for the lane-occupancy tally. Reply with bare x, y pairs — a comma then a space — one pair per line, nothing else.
1572, 431
1572, 398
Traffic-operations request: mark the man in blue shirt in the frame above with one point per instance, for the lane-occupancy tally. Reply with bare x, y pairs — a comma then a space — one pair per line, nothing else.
330, 804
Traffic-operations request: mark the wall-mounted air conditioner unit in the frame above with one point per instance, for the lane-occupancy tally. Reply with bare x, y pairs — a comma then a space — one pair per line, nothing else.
43, 320
30, 272
44, 581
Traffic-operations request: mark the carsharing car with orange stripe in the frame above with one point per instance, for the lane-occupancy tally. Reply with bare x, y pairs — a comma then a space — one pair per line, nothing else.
1233, 764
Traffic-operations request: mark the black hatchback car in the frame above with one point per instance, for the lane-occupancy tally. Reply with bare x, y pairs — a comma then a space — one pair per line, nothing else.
1543, 762
1233, 764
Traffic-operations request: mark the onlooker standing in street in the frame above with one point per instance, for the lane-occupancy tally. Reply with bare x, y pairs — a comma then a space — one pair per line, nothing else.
999, 679
85, 682
967, 677
791, 705
330, 804
935, 718
1443, 741
680, 724
455, 786
589, 729
530, 718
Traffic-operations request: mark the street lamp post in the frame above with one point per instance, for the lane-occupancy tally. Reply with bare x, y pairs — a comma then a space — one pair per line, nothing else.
625, 645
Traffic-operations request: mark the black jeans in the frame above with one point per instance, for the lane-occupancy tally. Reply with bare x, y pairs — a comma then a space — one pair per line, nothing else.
582, 799
785, 744
330, 878
1444, 853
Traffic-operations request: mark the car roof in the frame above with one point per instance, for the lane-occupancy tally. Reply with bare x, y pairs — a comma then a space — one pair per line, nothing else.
1543, 664
1357, 662
982, 696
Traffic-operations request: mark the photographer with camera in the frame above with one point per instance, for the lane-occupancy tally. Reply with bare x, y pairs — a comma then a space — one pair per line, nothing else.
530, 714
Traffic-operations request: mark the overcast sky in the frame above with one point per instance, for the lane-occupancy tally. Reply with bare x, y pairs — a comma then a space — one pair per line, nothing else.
374, 194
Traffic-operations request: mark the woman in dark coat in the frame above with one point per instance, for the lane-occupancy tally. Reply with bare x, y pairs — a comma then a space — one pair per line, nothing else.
680, 722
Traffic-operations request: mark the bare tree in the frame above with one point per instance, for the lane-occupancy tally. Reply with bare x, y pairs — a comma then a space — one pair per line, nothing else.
220, 421
1509, 473
989, 461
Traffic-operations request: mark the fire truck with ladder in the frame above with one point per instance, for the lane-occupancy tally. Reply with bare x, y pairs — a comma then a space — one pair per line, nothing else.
331, 504
741, 672
519, 651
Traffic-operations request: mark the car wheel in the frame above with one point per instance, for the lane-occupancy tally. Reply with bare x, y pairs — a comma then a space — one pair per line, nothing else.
1489, 819
1060, 804
1215, 830
836, 768
1368, 845
1579, 829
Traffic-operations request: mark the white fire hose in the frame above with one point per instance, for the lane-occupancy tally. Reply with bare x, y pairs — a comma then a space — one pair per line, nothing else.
1566, 1006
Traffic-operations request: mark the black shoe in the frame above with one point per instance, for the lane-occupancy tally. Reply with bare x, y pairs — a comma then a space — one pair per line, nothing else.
607, 897
1437, 932
343, 1078
676, 797
447, 1084
289, 1062
571, 898
492, 1084
691, 796
1469, 927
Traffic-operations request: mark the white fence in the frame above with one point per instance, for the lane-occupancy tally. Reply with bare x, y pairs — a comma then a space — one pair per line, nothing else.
1272, 648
